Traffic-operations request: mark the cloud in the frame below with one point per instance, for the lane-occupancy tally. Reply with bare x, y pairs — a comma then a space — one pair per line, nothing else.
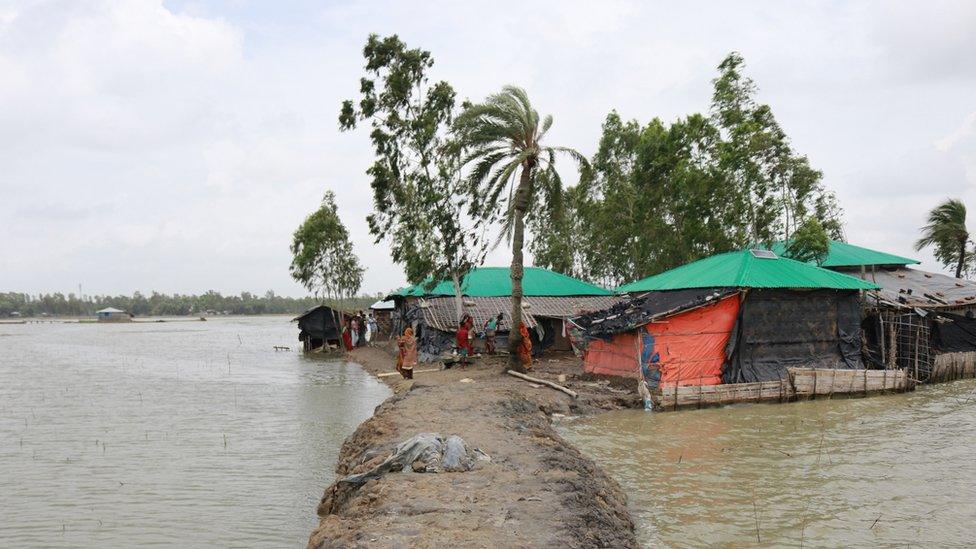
963, 131
175, 146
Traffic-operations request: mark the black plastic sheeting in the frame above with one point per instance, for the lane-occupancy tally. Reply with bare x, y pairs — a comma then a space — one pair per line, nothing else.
627, 315
777, 329
320, 323
953, 333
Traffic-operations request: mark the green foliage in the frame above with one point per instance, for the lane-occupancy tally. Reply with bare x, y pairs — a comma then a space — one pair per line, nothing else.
775, 188
661, 195
946, 231
157, 304
418, 196
323, 259
810, 243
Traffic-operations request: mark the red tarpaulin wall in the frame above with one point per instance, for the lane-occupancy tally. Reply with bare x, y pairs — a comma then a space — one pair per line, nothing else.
691, 346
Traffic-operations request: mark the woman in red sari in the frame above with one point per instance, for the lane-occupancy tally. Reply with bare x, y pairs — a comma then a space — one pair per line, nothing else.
346, 336
525, 347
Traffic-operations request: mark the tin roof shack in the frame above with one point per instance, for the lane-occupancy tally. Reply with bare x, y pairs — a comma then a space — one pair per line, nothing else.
320, 328
549, 298
918, 321
731, 320
382, 312
111, 314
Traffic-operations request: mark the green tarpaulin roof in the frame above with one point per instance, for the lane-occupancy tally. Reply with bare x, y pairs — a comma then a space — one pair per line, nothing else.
497, 282
842, 254
747, 269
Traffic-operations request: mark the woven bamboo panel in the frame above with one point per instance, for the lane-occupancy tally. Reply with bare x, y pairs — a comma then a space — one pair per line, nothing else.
949, 366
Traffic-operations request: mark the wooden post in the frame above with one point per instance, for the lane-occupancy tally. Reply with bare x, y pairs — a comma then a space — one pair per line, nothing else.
893, 347
881, 337
918, 334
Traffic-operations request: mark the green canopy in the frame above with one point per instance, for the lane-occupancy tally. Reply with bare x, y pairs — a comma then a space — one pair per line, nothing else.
497, 282
747, 269
842, 254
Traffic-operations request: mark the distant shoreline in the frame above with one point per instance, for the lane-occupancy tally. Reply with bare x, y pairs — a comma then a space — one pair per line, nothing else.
134, 320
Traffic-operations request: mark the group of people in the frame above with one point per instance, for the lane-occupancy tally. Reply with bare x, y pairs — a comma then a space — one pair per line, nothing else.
407, 344
359, 330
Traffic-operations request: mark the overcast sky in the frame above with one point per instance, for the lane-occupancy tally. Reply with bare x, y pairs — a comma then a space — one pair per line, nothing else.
175, 146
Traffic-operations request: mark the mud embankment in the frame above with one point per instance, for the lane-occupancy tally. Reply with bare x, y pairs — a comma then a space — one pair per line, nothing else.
537, 490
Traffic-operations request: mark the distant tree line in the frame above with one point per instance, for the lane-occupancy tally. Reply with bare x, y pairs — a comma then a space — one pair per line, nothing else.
157, 304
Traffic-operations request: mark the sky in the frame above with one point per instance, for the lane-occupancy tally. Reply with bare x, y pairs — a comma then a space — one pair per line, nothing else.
174, 146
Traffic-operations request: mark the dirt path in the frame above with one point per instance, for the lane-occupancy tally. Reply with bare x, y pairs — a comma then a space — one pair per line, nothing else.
538, 490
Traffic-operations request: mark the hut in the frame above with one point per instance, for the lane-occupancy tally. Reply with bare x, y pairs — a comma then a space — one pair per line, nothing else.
740, 318
917, 320
320, 328
549, 298
111, 314
382, 312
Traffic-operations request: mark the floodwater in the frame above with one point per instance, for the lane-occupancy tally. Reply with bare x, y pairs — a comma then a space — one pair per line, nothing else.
894, 470
177, 433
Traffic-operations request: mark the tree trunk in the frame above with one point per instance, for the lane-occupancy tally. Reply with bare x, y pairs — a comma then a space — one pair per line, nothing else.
522, 196
458, 300
962, 259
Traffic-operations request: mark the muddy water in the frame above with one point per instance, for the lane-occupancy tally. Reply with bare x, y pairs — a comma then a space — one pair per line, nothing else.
181, 434
892, 470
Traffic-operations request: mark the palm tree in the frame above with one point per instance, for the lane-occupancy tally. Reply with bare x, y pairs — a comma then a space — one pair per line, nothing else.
501, 136
946, 230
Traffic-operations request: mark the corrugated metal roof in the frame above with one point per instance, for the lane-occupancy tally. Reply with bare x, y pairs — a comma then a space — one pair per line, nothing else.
842, 254
439, 312
497, 282
743, 269
916, 288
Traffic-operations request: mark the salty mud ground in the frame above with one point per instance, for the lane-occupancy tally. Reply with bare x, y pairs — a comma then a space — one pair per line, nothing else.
538, 490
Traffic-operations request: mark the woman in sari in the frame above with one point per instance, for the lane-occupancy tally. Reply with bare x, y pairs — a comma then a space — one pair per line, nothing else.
407, 358
525, 347
346, 337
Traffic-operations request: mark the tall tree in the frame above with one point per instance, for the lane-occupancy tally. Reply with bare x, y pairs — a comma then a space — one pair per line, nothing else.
323, 259
419, 199
776, 188
504, 136
946, 230
652, 200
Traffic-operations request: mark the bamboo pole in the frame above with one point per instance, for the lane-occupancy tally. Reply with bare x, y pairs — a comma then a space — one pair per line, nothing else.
569, 392
388, 374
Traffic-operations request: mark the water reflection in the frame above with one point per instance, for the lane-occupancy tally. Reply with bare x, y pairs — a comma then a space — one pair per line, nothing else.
177, 433
889, 470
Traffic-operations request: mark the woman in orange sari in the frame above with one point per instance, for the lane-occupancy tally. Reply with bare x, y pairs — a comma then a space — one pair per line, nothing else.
407, 358
525, 347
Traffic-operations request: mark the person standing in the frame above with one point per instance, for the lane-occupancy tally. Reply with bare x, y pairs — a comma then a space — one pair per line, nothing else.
362, 329
373, 333
346, 336
491, 330
525, 347
407, 357
354, 331
463, 342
